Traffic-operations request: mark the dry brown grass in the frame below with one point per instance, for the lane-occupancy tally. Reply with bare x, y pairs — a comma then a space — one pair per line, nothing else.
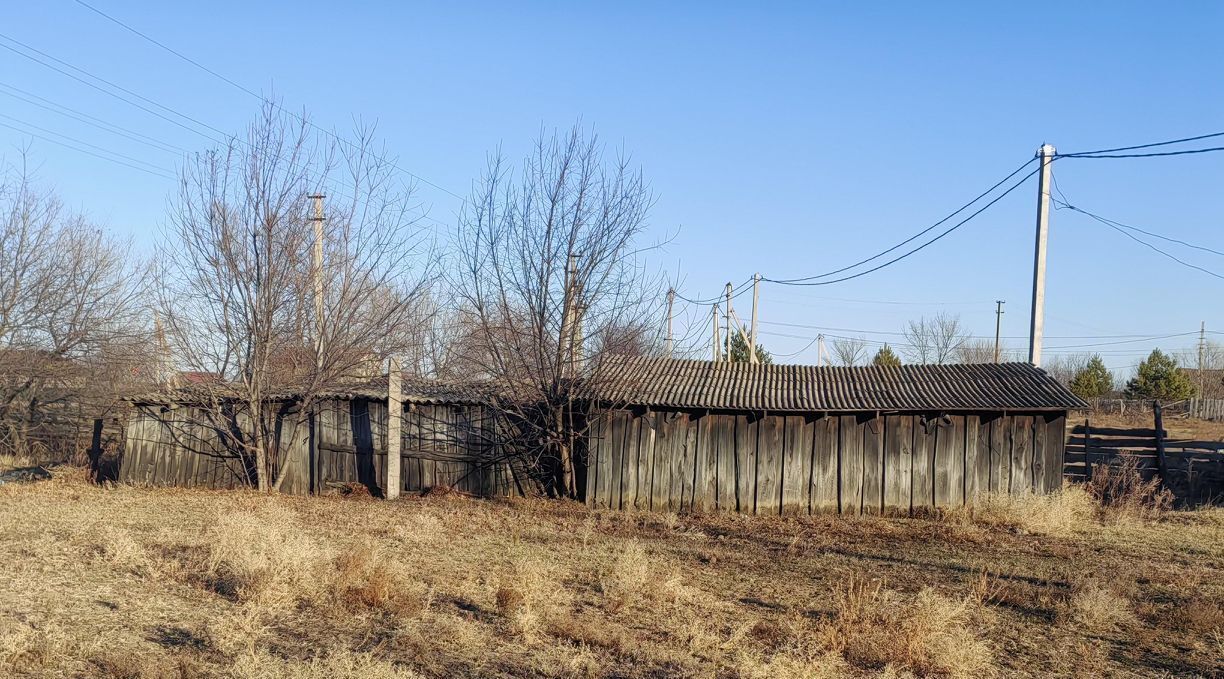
129, 582
1122, 493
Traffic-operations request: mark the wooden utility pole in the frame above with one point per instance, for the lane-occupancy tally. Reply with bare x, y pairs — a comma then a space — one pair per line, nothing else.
752, 332
1202, 350
998, 325
1037, 324
668, 343
395, 412
714, 322
317, 274
728, 322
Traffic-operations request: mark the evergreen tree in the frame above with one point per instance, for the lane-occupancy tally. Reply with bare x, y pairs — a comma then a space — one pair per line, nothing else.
1093, 380
885, 357
739, 350
1158, 378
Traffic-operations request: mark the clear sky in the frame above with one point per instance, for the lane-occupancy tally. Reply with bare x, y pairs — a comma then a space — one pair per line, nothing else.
788, 139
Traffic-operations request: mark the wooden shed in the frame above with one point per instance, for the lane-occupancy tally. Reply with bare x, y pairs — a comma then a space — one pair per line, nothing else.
684, 435
176, 438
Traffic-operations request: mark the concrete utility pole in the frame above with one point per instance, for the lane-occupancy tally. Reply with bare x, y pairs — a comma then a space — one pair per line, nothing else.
752, 332
1037, 325
317, 272
714, 322
820, 351
998, 325
569, 316
395, 412
667, 343
728, 339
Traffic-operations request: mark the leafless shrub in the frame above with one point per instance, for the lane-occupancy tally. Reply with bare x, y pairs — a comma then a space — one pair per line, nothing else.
1121, 490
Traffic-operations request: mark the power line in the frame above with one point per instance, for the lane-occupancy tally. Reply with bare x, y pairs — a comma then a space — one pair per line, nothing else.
87, 152
897, 333
736, 291
84, 143
1146, 244
1085, 154
911, 238
1159, 154
917, 249
1068, 206
252, 93
81, 116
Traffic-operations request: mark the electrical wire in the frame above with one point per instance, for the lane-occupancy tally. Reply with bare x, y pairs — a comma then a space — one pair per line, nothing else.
258, 96
1146, 244
917, 249
87, 152
911, 238
741, 288
1084, 154
1203, 248
85, 143
1187, 152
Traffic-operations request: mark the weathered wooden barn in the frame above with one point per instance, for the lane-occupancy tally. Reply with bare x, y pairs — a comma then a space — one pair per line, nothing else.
177, 438
687, 435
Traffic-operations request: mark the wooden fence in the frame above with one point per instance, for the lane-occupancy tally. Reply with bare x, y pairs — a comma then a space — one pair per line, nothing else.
344, 442
1195, 469
797, 464
1206, 408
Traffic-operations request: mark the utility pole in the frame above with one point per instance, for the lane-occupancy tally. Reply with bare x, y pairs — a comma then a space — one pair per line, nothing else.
752, 332
568, 316
998, 324
1202, 350
667, 343
714, 322
395, 412
317, 266
728, 339
1037, 323
820, 351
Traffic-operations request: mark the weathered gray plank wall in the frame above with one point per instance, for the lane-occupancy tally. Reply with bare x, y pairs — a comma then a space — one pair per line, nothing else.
344, 442
793, 464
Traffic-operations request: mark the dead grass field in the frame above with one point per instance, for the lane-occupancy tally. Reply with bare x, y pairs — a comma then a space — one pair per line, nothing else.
130, 582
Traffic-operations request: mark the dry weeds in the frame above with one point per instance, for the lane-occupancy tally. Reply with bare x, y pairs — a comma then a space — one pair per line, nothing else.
130, 582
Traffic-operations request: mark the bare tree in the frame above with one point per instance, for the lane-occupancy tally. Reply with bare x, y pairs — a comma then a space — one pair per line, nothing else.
547, 259
1064, 367
851, 351
979, 351
239, 289
69, 317
1205, 365
934, 340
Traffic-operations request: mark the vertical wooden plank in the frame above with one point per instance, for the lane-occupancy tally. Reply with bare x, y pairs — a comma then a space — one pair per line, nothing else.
823, 493
1021, 454
688, 460
681, 471
797, 465
702, 470
646, 457
724, 448
981, 456
1037, 466
595, 458
632, 461
660, 475
898, 458
1000, 454
745, 463
873, 465
769, 465
945, 449
922, 487
850, 457
1056, 453
620, 431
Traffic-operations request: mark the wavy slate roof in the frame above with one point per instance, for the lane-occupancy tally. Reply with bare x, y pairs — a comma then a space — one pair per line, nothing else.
419, 390
676, 383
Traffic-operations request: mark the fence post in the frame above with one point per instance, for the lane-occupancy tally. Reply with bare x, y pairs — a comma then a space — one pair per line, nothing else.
1160, 450
1087, 450
95, 450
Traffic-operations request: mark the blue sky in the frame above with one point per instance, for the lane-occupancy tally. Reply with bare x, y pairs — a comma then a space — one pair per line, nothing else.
788, 139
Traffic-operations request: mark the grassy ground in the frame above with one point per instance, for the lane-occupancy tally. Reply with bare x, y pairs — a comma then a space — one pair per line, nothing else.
131, 582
